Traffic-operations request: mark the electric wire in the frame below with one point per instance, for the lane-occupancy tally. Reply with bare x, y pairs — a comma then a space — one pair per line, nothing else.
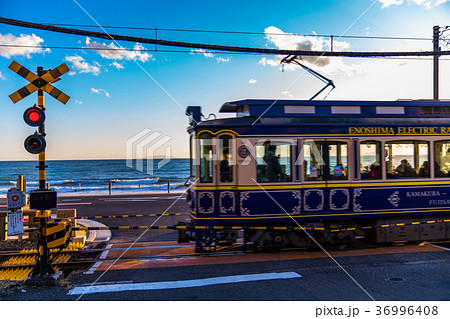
117, 37
183, 51
241, 32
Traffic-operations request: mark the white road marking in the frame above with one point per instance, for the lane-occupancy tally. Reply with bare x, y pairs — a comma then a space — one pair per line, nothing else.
105, 253
183, 283
437, 246
94, 267
127, 199
64, 204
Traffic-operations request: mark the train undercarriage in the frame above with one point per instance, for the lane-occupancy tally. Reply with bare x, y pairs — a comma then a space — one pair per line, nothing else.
343, 234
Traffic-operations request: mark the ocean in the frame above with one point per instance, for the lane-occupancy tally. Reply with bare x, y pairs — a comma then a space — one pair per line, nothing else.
93, 176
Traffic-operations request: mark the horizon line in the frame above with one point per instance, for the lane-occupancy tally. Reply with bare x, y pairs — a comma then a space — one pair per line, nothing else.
85, 159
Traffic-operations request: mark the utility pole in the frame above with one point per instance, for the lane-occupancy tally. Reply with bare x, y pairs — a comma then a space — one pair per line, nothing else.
436, 63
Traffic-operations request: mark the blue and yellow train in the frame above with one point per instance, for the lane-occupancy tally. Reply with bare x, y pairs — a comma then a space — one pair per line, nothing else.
321, 164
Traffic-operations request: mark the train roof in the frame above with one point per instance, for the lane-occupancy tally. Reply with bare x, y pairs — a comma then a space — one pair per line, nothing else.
337, 108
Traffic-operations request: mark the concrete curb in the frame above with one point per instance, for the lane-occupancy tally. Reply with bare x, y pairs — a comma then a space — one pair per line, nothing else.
95, 236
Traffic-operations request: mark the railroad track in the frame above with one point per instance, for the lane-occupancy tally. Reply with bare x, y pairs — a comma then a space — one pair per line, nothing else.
83, 259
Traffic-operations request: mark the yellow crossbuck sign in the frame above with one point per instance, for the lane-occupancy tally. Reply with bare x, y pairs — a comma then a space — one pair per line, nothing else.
39, 82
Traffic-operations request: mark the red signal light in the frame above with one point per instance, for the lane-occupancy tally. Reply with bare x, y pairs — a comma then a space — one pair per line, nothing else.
34, 116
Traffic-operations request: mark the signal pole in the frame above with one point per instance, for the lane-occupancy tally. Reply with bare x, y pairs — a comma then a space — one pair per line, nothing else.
43, 266
41, 130
436, 63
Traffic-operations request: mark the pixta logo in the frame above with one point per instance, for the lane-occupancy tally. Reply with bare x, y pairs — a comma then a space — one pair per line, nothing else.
145, 146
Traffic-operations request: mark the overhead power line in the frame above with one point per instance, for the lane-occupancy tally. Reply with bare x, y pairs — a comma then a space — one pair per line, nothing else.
175, 51
215, 47
243, 32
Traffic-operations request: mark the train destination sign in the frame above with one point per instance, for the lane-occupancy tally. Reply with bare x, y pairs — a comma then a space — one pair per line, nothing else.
400, 130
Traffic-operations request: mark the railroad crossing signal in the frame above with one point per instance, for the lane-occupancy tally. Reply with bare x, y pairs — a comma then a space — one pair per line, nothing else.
39, 82
42, 199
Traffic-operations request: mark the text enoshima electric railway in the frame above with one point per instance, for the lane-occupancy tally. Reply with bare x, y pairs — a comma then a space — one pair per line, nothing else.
322, 165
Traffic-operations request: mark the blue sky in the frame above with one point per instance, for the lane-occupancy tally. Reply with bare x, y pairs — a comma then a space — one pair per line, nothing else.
113, 98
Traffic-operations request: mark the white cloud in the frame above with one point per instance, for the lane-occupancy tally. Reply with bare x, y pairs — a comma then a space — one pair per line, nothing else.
99, 91
219, 60
271, 62
252, 81
387, 3
116, 53
209, 55
1, 76
24, 40
77, 102
289, 41
117, 65
427, 3
80, 65
202, 51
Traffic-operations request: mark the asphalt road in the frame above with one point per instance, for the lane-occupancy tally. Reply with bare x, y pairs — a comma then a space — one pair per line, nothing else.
407, 276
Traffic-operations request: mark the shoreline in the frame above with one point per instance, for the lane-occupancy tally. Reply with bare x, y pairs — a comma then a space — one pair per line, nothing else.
118, 194
114, 194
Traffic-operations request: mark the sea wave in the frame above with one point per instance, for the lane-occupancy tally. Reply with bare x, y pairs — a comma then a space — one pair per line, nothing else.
91, 176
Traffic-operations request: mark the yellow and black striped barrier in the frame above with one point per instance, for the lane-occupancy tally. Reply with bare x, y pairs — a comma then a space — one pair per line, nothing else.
191, 227
57, 233
125, 216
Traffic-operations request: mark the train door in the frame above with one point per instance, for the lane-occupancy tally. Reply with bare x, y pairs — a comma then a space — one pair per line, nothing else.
314, 176
326, 173
226, 172
205, 176
338, 175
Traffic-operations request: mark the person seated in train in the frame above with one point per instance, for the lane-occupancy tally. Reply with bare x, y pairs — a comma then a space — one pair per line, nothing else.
226, 170
445, 160
424, 170
274, 172
404, 169
375, 172
390, 171
261, 173
438, 171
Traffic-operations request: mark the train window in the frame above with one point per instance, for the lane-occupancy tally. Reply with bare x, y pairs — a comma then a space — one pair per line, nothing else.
407, 159
441, 159
437, 109
273, 162
337, 160
370, 159
313, 163
206, 158
390, 110
226, 159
